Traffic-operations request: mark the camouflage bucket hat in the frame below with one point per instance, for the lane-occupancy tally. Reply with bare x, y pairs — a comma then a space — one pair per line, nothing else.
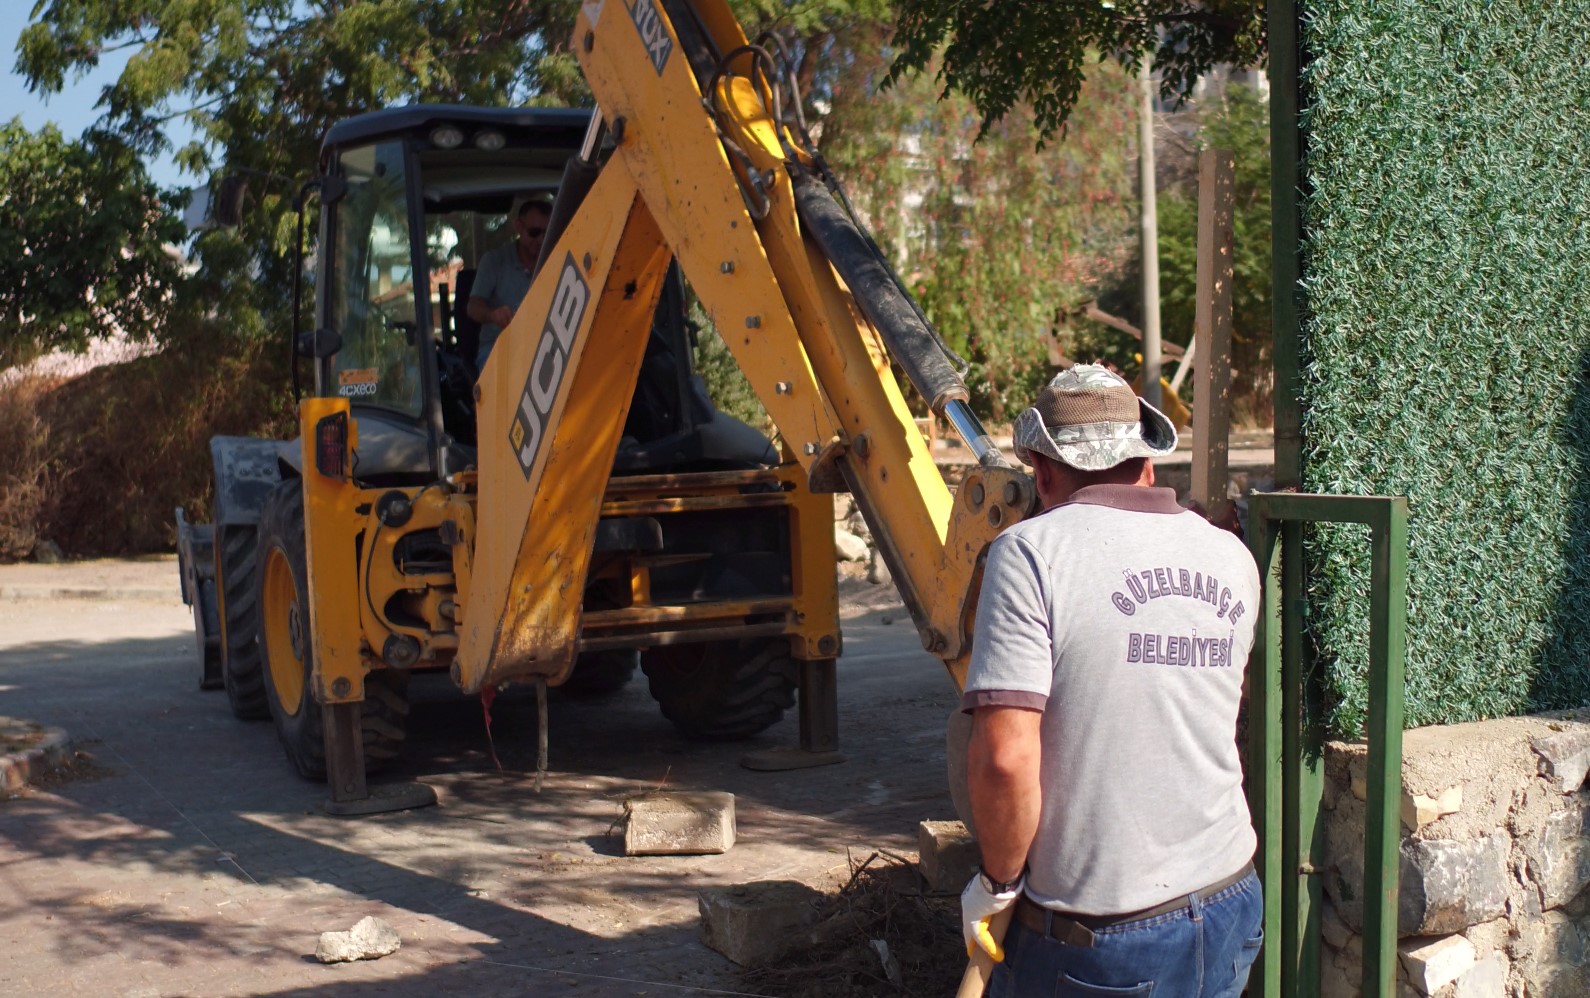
1089, 418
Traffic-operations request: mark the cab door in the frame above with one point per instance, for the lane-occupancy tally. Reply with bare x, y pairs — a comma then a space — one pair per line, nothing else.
376, 301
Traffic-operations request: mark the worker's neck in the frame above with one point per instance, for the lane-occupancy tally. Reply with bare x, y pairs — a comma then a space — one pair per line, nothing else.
1057, 483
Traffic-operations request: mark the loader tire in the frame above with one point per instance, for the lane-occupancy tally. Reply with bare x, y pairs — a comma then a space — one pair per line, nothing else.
722, 690
602, 673
237, 557
287, 652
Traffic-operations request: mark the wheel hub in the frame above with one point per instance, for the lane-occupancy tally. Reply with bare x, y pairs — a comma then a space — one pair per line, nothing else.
282, 631
295, 631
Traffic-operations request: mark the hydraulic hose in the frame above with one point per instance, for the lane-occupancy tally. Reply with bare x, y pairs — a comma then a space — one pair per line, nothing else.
579, 176
880, 297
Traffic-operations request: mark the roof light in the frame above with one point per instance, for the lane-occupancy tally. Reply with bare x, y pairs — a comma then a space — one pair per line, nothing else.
489, 140
447, 137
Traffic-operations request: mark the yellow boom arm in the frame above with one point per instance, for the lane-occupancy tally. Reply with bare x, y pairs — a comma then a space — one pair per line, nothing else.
717, 190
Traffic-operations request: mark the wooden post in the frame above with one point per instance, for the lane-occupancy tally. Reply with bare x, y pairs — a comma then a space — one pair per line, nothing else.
1212, 333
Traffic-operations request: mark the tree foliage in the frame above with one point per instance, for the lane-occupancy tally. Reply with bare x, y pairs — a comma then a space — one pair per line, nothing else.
1038, 53
83, 236
997, 241
259, 81
251, 75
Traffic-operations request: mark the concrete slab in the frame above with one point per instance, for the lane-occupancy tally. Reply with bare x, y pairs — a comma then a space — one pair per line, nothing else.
679, 823
754, 924
948, 855
28, 750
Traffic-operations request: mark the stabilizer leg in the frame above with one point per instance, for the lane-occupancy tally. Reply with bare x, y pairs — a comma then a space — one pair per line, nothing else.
819, 724
350, 794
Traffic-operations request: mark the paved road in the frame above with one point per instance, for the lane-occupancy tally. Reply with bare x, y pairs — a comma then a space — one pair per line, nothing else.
195, 862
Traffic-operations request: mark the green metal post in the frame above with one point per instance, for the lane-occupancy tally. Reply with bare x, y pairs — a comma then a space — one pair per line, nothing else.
1305, 777
1286, 765
1265, 800
1286, 227
1382, 834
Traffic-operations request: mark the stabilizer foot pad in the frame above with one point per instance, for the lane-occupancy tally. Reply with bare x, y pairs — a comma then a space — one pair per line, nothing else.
776, 760
387, 797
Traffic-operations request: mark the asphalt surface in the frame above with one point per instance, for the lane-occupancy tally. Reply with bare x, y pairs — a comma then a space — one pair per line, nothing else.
184, 857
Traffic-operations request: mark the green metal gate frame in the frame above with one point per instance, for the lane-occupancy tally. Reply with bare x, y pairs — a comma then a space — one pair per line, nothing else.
1286, 741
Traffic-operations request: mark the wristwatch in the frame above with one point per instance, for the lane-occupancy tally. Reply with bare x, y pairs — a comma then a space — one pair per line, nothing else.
1000, 886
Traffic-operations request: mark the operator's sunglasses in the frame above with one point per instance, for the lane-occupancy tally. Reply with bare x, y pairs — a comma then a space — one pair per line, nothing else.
535, 233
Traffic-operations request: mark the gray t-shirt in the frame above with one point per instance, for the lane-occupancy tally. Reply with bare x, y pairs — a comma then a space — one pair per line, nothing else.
1128, 622
501, 280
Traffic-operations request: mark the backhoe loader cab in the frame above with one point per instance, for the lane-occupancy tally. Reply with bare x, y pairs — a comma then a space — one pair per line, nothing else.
341, 562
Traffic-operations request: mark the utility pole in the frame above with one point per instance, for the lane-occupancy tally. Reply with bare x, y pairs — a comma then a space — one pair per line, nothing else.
1150, 221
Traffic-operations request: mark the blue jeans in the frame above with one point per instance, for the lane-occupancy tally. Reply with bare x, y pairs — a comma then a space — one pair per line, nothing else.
1202, 951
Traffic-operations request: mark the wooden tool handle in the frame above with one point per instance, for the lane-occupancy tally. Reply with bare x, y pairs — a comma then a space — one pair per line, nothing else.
981, 966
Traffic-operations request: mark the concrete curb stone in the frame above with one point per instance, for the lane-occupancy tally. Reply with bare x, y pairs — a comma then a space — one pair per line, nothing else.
104, 594
18, 768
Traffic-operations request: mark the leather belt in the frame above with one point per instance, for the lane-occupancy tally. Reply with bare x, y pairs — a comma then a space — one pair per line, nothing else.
1078, 930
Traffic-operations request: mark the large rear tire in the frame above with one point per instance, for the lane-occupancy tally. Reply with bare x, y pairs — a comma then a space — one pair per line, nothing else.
287, 651
722, 690
237, 557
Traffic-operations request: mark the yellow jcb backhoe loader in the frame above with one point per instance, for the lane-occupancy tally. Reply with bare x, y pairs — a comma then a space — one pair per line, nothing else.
579, 500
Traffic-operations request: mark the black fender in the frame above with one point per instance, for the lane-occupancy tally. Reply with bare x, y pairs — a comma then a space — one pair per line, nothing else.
246, 470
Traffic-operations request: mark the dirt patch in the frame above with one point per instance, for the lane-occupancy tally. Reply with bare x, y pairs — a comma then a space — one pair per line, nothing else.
79, 767
884, 902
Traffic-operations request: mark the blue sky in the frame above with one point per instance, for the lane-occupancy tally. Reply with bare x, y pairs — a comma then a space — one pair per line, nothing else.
72, 110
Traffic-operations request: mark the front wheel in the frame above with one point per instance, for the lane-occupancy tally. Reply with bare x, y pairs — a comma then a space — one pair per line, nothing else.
722, 690
287, 651
237, 569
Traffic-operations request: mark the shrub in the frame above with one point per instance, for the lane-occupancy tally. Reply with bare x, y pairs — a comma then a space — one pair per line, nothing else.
131, 442
1446, 346
25, 474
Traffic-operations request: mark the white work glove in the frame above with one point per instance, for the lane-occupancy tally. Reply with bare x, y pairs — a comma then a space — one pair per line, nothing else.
979, 904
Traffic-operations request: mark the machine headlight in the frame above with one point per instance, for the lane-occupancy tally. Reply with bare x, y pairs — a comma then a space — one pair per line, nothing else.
489, 140
446, 137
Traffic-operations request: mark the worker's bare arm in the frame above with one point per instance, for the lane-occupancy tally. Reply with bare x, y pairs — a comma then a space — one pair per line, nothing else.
481, 311
1002, 773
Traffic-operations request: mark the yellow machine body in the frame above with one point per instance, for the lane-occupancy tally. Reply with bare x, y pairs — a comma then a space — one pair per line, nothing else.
501, 589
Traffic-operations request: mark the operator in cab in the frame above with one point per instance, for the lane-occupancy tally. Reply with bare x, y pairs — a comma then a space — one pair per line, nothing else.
504, 275
1106, 673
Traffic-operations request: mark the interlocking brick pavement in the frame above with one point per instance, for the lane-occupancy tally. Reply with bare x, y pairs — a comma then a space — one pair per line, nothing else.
198, 864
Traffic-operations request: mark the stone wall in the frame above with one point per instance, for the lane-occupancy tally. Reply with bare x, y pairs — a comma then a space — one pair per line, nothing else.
1494, 861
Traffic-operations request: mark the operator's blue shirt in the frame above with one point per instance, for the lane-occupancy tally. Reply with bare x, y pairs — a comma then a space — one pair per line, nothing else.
501, 279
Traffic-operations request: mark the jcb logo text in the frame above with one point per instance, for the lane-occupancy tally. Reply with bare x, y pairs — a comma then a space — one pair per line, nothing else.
550, 364
652, 33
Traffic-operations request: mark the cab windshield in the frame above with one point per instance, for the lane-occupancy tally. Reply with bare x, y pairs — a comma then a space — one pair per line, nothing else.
372, 280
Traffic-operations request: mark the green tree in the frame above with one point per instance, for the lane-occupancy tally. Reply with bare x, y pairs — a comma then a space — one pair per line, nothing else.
259, 81
84, 244
1035, 53
1238, 121
997, 241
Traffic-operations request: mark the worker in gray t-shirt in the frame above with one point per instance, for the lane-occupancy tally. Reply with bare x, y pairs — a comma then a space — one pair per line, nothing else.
503, 277
1103, 771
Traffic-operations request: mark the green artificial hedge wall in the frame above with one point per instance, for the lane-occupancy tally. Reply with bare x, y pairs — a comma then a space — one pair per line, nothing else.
1445, 350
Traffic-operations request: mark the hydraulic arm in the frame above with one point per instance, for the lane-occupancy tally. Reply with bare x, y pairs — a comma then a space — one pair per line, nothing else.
712, 164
